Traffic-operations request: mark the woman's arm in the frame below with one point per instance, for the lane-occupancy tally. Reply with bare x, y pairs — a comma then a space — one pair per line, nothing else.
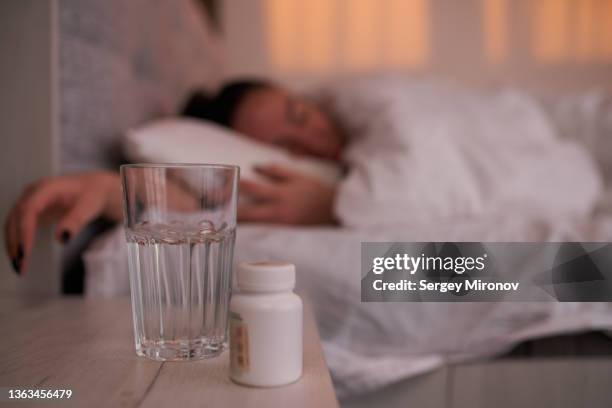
73, 201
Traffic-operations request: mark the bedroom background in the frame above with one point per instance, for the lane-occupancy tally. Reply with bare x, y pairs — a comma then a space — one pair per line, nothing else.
547, 44
76, 74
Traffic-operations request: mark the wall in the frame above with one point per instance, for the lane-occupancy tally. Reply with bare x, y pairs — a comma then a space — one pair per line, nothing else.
548, 44
27, 126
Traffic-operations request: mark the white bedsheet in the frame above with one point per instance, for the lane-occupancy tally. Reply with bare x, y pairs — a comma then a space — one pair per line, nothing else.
368, 345
437, 151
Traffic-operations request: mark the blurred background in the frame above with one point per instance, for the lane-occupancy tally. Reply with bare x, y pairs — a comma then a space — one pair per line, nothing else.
544, 43
75, 75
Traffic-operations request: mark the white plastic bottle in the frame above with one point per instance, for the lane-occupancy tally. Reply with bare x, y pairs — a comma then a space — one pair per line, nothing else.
266, 325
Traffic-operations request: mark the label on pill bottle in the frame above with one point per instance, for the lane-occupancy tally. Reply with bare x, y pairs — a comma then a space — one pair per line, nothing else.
239, 344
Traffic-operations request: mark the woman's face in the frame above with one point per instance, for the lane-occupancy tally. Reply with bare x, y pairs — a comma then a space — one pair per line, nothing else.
280, 118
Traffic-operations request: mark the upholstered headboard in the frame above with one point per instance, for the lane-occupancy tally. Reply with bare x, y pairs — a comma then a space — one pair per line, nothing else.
123, 62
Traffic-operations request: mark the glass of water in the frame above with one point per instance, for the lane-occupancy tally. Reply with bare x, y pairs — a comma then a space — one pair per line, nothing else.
180, 223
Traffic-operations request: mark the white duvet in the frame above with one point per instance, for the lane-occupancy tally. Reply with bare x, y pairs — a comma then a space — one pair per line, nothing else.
428, 162
432, 150
369, 345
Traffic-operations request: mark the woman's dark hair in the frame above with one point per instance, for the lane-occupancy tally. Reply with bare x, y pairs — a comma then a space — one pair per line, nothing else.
221, 107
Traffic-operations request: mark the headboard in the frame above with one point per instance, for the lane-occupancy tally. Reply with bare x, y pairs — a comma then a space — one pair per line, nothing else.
123, 62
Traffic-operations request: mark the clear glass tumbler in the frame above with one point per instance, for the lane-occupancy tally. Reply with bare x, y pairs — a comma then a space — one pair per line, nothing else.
180, 223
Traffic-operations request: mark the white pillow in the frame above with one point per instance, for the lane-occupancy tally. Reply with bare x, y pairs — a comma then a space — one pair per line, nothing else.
181, 140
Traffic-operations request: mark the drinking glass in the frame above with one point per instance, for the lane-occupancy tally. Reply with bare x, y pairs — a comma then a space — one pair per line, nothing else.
180, 223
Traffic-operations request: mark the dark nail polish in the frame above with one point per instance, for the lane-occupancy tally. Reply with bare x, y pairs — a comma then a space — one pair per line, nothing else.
17, 260
65, 237
16, 265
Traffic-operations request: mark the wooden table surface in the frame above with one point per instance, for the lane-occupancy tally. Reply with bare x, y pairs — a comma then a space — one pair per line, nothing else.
87, 346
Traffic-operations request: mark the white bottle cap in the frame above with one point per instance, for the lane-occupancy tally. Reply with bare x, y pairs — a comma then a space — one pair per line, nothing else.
266, 276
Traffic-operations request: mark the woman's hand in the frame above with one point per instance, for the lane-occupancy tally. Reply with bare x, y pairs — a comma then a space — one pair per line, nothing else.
286, 197
72, 200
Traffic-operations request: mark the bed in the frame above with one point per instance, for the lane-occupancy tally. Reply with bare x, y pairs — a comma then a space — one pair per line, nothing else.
364, 343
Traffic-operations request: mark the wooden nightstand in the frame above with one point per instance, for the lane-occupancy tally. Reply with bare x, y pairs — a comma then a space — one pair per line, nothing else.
87, 346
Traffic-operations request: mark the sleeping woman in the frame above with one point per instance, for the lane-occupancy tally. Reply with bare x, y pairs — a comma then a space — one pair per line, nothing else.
259, 110
420, 151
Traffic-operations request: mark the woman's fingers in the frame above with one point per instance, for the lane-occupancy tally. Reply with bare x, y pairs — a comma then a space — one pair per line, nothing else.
11, 241
25, 217
73, 200
82, 212
257, 213
276, 172
28, 217
263, 204
259, 191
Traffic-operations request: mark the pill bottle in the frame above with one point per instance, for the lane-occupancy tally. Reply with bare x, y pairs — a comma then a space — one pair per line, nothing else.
265, 325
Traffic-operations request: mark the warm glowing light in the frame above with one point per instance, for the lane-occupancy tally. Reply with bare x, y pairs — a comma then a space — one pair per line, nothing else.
317, 20
495, 14
360, 43
572, 30
356, 35
551, 29
306, 36
605, 34
585, 30
282, 36
406, 29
